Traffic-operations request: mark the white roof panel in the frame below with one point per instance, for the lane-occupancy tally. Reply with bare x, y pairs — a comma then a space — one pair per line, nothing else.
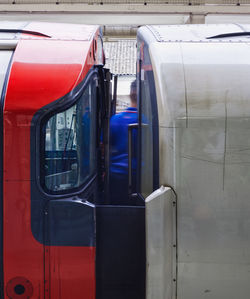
197, 79
200, 33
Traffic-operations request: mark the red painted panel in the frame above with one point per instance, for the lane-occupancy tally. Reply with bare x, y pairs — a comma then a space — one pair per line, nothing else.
42, 72
71, 272
23, 256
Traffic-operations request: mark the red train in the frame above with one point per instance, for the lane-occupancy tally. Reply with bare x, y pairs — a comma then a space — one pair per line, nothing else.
60, 238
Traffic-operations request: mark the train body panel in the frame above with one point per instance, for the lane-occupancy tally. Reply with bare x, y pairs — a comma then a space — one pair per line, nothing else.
43, 70
203, 107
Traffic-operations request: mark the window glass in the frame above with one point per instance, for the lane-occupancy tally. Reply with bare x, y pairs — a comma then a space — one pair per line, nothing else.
70, 144
99, 50
147, 138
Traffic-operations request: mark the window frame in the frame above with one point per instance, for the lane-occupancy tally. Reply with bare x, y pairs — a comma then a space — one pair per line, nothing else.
46, 113
155, 124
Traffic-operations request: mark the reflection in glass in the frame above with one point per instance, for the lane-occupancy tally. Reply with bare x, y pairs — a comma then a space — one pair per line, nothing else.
146, 140
70, 144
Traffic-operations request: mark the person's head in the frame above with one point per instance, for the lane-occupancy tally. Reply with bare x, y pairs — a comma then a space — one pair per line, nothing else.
133, 94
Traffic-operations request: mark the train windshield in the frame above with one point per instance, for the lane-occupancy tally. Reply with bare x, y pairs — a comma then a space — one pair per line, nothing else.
70, 143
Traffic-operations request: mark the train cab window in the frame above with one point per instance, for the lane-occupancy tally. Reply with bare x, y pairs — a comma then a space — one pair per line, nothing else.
70, 144
146, 139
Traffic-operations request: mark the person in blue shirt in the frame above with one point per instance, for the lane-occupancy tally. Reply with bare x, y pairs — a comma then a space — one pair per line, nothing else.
119, 150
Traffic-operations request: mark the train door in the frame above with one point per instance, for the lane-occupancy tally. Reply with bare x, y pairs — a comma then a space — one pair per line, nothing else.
160, 203
64, 155
120, 245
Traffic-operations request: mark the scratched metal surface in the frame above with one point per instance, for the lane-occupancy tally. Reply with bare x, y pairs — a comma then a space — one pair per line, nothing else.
203, 97
161, 244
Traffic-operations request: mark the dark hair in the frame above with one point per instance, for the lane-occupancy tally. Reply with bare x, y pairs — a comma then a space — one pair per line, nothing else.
133, 86
133, 91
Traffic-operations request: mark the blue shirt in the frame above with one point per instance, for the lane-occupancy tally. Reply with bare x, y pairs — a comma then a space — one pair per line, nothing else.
119, 140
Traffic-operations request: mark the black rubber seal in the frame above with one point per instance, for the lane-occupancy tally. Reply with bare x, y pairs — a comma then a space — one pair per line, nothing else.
24, 31
228, 35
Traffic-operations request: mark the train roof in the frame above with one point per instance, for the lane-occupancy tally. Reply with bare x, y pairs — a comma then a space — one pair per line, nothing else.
54, 31
207, 33
48, 61
198, 79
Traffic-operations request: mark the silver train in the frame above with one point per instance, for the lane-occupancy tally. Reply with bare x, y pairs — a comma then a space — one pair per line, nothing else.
197, 223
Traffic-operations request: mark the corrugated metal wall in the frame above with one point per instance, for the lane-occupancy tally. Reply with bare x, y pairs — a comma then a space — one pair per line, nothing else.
121, 56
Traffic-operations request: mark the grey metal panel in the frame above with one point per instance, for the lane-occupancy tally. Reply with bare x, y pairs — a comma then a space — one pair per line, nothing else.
212, 184
8, 44
204, 116
161, 244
